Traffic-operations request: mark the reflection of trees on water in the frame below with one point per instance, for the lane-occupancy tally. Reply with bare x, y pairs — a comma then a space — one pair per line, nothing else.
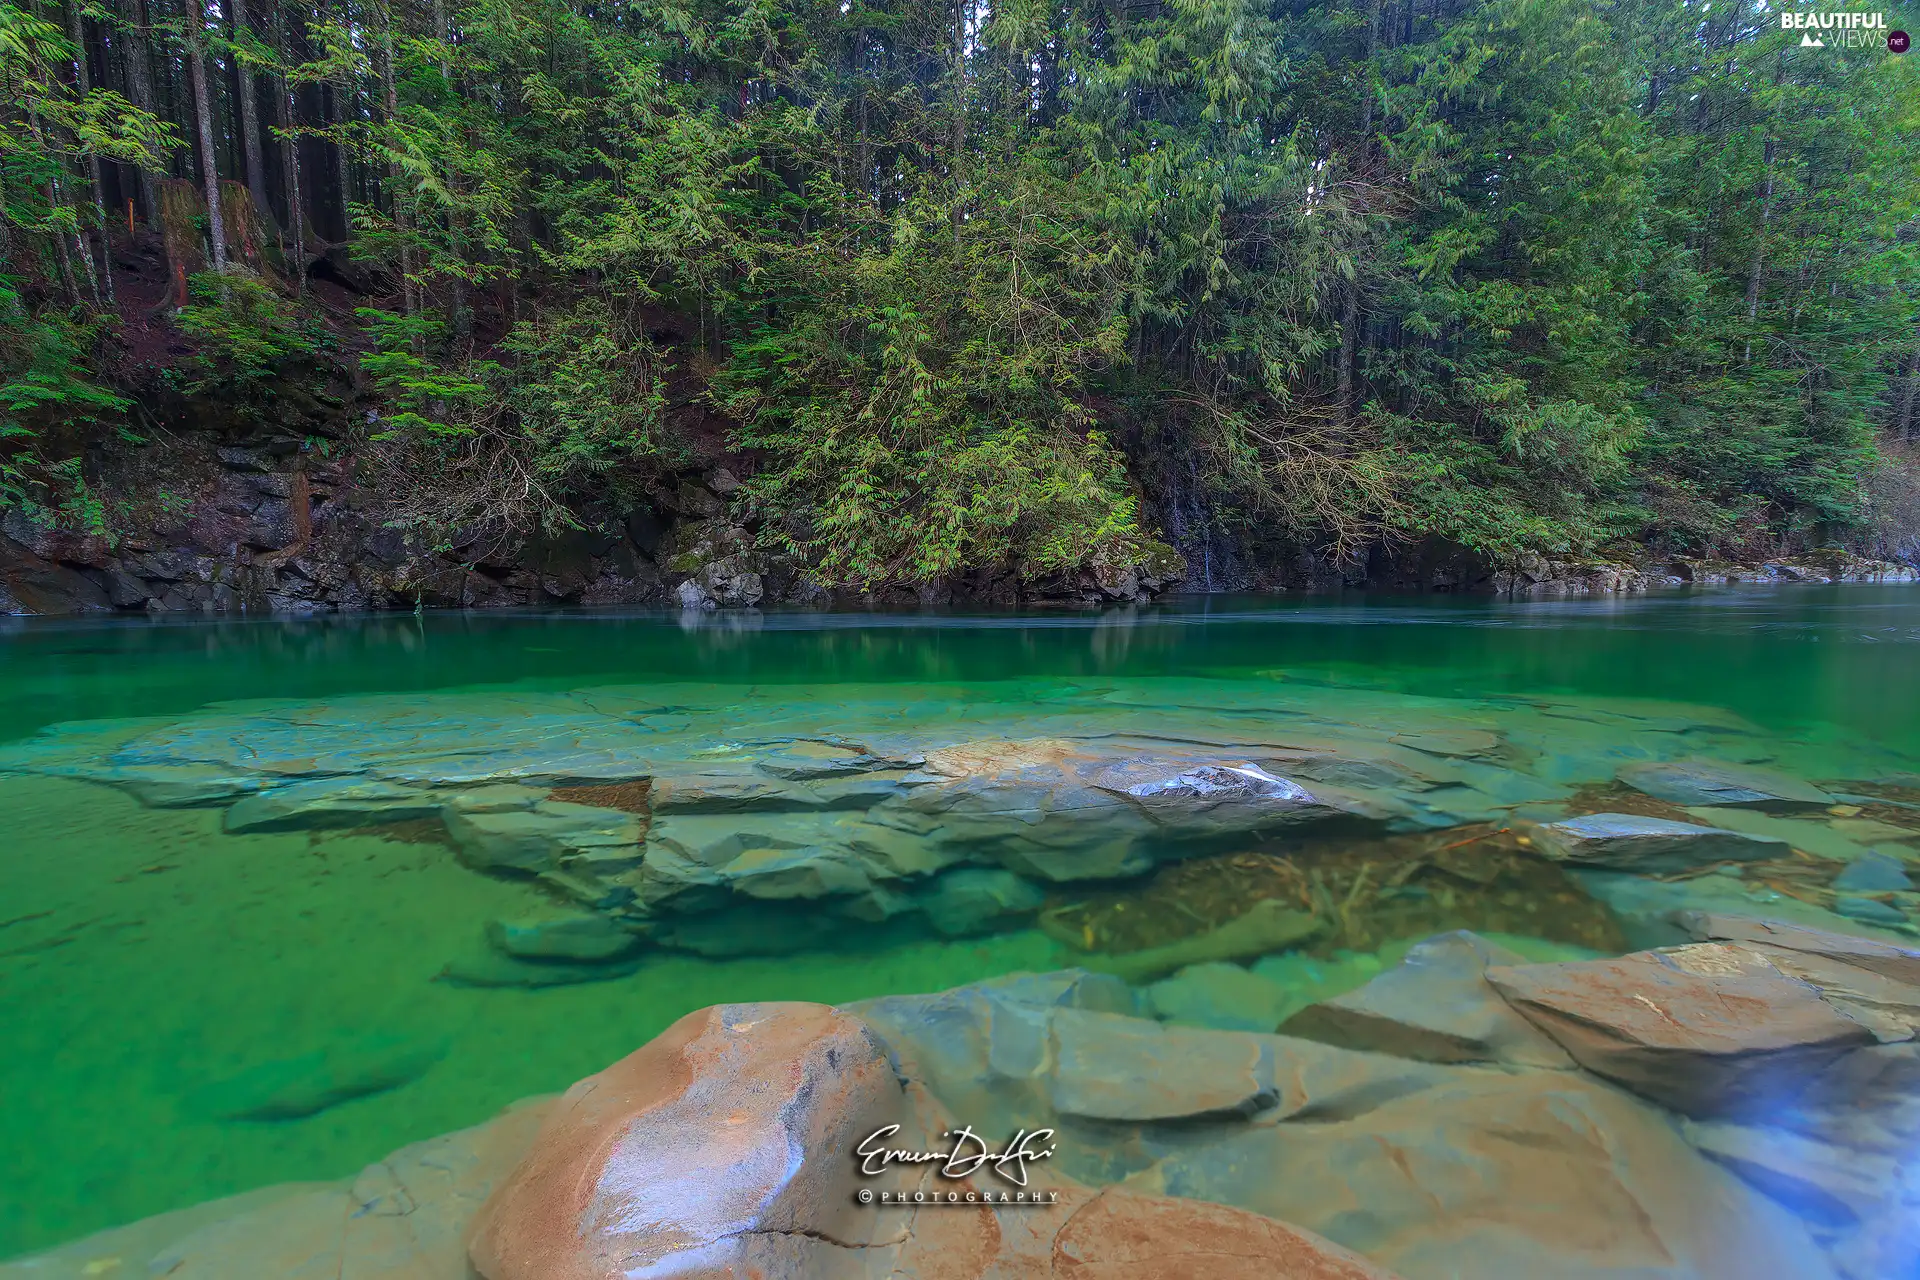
1780, 656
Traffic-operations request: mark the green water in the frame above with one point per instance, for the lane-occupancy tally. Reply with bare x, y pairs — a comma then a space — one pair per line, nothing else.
147, 956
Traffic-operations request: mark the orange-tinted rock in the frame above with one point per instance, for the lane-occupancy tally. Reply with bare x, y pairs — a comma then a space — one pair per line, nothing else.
1122, 1236
1709, 1029
722, 1145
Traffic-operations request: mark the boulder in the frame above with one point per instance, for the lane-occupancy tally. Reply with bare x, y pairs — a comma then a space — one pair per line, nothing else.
1710, 1029
1714, 782
1823, 1184
1436, 1006
1897, 963
721, 1147
1652, 846
1500, 1176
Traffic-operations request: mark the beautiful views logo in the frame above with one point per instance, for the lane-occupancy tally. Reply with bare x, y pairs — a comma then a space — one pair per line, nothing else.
1843, 30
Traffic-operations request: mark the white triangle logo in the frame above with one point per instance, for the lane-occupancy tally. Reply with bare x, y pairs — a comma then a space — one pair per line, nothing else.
1811, 41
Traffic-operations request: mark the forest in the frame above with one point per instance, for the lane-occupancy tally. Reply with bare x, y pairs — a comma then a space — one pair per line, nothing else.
1033, 284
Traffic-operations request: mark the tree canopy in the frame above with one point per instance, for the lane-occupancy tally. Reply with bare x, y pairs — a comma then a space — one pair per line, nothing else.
1019, 284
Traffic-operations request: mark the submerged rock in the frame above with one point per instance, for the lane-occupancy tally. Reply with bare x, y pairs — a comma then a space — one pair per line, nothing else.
1269, 925
1713, 782
1225, 997
1869, 911
295, 1088
971, 900
402, 1218
1875, 872
1437, 1006
331, 802
1630, 842
1503, 1177
1708, 1029
569, 937
727, 1146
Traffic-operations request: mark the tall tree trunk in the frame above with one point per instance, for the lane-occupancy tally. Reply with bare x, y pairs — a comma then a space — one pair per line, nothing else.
284, 109
1766, 216
1350, 305
196, 30
249, 114
140, 89
83, 82
342, 173
384, 16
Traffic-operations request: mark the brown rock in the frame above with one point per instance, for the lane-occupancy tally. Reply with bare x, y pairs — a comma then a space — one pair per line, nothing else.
1119, 1235
1897, 963
724, 1145
1708, 1029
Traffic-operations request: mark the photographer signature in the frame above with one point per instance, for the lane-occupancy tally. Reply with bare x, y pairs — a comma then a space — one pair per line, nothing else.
970, 1151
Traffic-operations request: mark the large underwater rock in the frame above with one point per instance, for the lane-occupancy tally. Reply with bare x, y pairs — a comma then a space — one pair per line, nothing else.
1707, 1029
727, 821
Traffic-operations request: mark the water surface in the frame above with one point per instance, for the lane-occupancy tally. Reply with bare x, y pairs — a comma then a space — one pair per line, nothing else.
153, 966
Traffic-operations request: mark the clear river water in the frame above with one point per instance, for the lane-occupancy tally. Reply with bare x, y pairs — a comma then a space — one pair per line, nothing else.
201, 995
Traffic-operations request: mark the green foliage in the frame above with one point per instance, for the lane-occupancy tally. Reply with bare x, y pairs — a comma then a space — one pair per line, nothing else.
244, 330
575, 397
46, 406
978, 287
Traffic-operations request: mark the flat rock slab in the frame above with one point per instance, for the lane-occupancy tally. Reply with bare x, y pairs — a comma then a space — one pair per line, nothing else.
1652, 846
1707, 1029
1898, 963
1712, 782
